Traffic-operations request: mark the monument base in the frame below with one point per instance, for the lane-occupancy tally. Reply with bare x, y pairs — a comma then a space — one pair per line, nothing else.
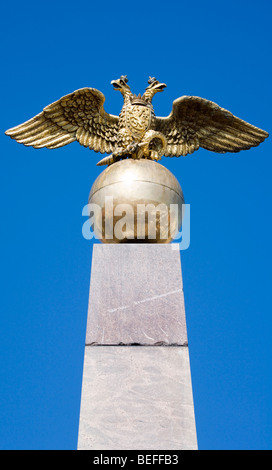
136, 390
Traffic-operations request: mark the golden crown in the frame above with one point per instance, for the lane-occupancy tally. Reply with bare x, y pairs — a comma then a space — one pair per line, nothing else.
139, 100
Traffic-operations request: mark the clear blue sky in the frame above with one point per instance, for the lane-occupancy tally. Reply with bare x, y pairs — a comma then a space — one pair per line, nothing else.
218, 50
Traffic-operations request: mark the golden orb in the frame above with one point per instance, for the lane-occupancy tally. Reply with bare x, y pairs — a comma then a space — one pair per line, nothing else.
136, 201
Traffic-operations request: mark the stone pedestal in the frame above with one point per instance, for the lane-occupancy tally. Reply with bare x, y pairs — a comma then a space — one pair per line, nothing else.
136, 391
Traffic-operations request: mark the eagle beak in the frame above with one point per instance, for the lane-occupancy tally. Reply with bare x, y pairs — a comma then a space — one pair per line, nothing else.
160, 86
116, 84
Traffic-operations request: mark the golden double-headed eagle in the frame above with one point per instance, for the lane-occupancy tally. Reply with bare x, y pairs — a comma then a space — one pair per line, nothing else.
137, 133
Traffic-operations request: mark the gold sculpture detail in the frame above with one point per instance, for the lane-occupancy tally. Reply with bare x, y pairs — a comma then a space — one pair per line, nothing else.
137, 133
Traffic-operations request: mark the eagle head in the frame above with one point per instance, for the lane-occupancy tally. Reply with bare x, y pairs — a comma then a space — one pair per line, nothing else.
154, 87
121, 84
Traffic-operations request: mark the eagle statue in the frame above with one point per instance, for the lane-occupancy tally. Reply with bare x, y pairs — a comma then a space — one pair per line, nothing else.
137, 133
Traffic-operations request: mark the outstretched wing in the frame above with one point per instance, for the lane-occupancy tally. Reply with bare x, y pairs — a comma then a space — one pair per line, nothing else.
77, 116
195, 122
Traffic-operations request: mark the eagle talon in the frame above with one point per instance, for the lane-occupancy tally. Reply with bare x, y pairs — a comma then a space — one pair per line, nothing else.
154, 155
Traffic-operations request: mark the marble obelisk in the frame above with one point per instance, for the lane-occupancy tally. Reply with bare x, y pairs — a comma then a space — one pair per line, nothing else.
136, 390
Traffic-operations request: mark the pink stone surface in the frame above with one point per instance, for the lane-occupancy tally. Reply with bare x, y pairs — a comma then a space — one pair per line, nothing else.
136, 296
